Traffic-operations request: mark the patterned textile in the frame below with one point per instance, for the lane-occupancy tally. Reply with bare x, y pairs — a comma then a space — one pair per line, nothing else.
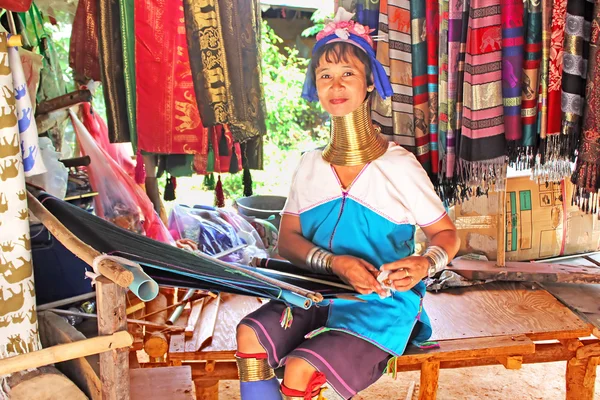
482, 147
512, 71
128, 38
33, 164
587, 170
577, 36
559, 14
111, 70
455, 28
395, 114
443, 84
168, 121
432, 28
419, 83
544, 74
530, 83
18, 328
83, 50
222, 39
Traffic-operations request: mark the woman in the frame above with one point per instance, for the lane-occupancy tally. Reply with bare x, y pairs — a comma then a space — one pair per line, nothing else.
351, 212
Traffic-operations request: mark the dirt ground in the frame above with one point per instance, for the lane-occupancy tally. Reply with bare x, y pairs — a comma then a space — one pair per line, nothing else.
531, 382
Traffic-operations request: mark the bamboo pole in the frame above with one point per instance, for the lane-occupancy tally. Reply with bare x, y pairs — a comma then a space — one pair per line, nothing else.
109, 268
501, 239
65, 352
64, 302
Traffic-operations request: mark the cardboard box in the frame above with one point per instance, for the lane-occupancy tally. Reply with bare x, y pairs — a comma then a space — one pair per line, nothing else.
540, 222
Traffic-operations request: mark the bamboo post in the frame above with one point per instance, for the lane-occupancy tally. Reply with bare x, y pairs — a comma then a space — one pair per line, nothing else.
109, 268
114, 364
501, 241
65, 352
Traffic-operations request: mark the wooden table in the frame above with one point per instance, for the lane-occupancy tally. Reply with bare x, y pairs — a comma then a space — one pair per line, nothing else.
497, 323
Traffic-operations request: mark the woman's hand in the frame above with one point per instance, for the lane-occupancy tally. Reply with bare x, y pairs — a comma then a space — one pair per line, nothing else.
407, 272
358, 273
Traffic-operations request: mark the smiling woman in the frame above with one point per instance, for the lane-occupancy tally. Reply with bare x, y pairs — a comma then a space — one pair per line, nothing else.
352, 211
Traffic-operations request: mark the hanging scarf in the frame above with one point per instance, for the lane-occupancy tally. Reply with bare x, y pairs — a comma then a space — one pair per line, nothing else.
545, 67
443, 88
432, 28
552, 163
512, 70
223, 42
587, 170
168, 121
111, 70
577, 36
482, 147
83, 50
395, 114
455, 28
531, 72
559, 14
128, 38
419, 83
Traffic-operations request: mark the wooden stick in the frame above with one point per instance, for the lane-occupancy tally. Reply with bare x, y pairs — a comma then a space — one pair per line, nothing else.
65, 352
64, 302
109, 268
64, 101
182, 302
135, 307
129, 320
194, 317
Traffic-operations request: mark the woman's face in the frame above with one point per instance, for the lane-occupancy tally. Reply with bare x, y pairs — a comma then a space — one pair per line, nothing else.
342, 86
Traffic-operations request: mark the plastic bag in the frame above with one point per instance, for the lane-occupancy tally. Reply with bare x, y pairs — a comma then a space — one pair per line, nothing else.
120, 199
216, 231
54, 181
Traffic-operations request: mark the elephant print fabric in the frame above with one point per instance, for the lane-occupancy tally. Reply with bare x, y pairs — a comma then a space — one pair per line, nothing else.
18, 318
30, 149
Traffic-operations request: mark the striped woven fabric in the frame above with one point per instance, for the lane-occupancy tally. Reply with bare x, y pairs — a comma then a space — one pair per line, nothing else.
433, 29
419, 83
531, 69
443, 85
482, 147
559, 14
544, 68
395, 114
455, 24
576, 47
587, 170
512, 71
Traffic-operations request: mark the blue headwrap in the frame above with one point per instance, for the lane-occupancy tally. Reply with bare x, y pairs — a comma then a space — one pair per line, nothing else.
380, 78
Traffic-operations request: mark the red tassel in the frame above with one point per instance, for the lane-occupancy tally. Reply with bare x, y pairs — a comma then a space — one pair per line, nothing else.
140, 169
219, 196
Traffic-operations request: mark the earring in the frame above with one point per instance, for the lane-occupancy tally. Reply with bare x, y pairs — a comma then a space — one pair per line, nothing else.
370, 88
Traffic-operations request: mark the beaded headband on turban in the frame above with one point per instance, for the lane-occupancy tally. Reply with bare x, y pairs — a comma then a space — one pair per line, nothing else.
343, 29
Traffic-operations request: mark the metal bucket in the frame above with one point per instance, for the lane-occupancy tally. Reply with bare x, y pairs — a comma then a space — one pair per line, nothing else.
263, 207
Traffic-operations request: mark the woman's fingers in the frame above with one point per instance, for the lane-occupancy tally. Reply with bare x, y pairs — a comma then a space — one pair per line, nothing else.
404, 283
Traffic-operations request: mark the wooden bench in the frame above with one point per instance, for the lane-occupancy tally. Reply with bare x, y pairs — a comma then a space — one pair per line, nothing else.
496, 323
